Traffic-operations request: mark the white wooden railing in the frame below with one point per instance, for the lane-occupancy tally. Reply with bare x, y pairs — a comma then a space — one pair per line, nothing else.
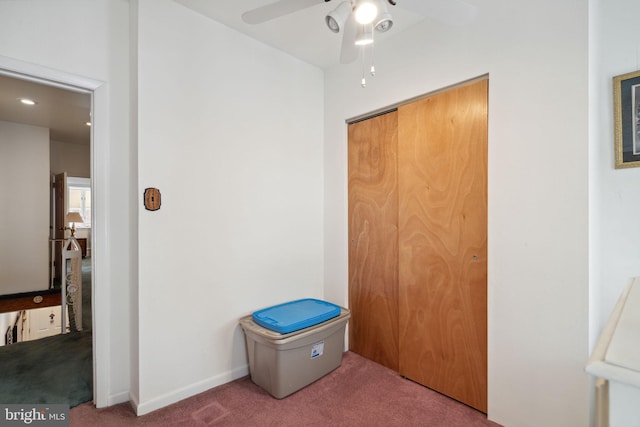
616, 356
72, 283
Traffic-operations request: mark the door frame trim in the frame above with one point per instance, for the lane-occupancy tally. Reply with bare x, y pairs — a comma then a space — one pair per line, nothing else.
99, 182
395, 106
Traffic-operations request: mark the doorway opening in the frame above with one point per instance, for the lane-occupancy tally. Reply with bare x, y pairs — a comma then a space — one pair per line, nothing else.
54, 135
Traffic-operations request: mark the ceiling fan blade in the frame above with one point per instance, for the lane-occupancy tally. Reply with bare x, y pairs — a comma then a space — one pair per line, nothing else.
452, 12
349, 50
276, 10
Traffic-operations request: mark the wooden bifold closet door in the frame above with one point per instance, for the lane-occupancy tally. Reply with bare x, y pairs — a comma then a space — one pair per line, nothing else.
428, 306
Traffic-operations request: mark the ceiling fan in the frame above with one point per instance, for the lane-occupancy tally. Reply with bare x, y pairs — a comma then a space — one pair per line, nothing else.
357, 20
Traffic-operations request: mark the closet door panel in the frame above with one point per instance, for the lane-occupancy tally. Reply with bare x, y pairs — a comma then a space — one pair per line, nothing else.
442, 190
373, 238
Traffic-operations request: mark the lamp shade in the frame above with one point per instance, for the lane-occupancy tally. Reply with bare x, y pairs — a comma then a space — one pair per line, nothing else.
74, 217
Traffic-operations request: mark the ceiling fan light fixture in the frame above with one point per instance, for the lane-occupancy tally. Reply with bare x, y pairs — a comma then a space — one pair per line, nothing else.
384, 20
384, 23
337, 17
366, 11
364, 36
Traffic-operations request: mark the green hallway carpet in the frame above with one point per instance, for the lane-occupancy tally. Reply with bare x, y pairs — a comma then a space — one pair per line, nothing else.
57, 369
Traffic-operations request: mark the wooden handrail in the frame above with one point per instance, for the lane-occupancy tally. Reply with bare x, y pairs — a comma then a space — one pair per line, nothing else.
27, 301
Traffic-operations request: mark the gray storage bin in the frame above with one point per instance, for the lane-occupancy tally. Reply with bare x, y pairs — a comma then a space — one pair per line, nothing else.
284, 363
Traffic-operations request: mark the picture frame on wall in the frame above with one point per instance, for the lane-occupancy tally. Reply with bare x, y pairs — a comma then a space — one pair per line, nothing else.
626, 112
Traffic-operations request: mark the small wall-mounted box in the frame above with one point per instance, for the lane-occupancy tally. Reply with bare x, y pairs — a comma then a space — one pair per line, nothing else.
152, 199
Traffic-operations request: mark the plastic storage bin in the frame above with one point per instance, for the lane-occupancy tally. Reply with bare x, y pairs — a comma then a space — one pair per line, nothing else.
295, 315
284, 363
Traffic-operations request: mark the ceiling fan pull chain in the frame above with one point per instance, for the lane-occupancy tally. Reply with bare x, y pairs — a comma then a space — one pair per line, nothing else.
373, 52
363, 83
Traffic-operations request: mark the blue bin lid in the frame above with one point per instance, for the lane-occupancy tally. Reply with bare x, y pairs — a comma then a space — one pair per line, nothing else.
295, 315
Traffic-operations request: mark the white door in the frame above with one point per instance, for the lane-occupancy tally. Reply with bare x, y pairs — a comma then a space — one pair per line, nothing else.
43, 322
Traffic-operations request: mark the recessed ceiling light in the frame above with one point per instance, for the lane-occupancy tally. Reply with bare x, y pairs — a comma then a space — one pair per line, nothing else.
27, 101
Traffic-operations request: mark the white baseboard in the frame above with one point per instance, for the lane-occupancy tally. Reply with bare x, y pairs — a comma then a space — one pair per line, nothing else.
122, 397
114, 399
142, 408
133, 401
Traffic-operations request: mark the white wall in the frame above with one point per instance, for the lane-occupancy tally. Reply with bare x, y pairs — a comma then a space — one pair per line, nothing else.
230, 132
614, 201
24, 211
536, 57
75, 159
81, 41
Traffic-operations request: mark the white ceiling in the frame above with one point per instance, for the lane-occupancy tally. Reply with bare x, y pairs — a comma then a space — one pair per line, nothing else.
305, 35
64, 112
302, 34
